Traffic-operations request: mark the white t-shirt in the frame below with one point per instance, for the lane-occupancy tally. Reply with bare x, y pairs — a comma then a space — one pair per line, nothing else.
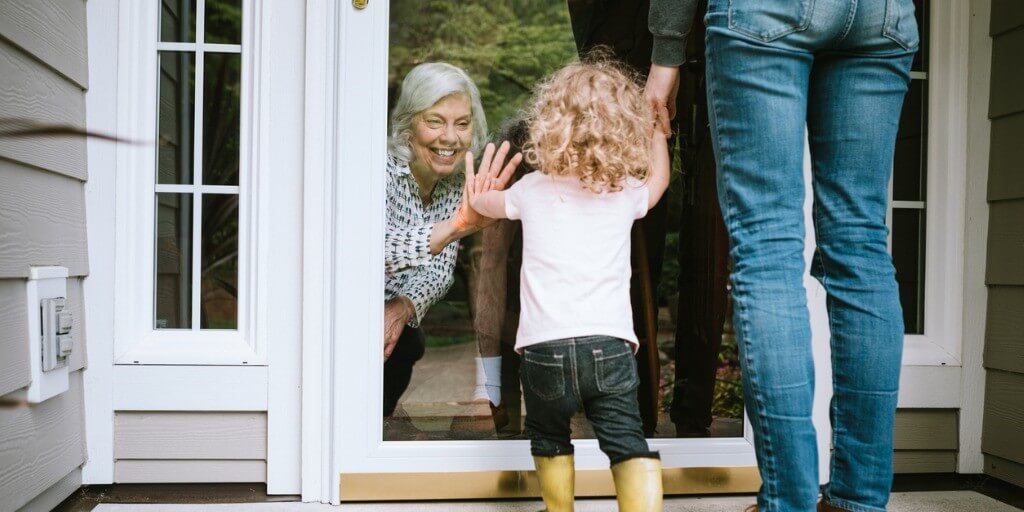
576, 268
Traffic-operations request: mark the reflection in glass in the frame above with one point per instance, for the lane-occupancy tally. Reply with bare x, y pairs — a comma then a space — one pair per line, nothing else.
921, 12
221, 104
173, 285
908, 243
223, 21
219, 302
177, 21
176, 114
909, 178
506, 47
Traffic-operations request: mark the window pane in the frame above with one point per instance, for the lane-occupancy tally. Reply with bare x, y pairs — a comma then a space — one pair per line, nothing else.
224, 21
219, 308
908, 243
506, 47
178, 21
173, 261
221, 102
176, 114
909, 179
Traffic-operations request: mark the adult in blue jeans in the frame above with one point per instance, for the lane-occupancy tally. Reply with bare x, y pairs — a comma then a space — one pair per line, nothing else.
835, 71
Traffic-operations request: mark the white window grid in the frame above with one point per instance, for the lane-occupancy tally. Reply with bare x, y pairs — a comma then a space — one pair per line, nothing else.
197, 189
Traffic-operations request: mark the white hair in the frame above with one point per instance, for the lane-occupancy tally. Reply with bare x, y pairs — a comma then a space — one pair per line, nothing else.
424, 86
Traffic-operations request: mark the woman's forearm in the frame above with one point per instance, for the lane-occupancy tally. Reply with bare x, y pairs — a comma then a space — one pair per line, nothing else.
446, 232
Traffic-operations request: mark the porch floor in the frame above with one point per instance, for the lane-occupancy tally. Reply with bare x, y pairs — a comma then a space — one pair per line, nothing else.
940, 501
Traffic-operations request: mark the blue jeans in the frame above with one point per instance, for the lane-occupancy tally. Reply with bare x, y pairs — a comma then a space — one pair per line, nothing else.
837, 71
593, 373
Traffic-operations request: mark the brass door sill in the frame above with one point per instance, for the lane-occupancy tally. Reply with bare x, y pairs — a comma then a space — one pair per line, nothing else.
523, 484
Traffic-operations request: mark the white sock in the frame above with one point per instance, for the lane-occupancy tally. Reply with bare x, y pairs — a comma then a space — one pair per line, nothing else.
492, 378
480, 391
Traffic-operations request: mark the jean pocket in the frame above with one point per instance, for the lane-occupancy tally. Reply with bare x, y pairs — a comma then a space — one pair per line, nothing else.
615, 373
900, 24
768, 20
544, 375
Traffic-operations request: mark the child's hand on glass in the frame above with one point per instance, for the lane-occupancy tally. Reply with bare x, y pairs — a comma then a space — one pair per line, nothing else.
494, 174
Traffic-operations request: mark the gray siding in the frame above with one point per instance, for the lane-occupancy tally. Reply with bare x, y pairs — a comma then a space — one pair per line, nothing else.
926, 441
40, 445
43, 77
190, 447
1004, 274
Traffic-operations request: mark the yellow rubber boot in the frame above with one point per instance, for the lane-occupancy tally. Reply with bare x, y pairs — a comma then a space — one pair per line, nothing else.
638, 484
557, 477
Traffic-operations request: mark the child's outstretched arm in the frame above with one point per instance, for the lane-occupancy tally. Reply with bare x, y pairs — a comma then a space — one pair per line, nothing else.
658, 176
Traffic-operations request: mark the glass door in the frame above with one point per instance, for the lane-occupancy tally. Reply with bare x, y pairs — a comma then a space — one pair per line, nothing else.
436, 406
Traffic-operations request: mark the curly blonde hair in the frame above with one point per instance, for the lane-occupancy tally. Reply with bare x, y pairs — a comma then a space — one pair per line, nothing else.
589, 119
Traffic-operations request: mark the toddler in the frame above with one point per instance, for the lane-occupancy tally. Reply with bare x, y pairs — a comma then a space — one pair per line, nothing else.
601, 166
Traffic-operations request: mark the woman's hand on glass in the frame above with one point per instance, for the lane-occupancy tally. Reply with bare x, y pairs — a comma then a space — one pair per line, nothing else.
397, 313
494, 174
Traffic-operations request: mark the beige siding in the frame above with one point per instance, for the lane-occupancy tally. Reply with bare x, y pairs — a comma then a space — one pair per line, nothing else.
925, 440
189, 471
43, 76
51, 30
42, 221
1003, 421
57, 493
168, 447
1005, 243
921, 461
1004, 415
14, 370
1006, 470
31, 90
1007, 74
40, 445
1006, 15
926, 429
1004, 337
190, 435
1005, 179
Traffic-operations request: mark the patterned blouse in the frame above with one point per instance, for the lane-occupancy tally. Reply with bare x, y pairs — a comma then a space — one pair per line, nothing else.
409, 269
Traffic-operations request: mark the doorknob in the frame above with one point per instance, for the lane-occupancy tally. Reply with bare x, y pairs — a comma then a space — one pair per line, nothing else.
360, 4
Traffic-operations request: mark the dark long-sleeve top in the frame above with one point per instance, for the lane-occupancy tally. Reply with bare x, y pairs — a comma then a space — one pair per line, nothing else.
669, 22
409, 268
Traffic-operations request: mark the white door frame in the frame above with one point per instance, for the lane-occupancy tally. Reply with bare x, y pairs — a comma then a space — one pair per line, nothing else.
122, 102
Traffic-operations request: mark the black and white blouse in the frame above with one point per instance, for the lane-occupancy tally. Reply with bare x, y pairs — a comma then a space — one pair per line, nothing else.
409, 269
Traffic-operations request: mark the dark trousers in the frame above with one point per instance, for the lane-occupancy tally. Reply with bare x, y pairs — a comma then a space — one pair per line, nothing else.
398, 367
593, 373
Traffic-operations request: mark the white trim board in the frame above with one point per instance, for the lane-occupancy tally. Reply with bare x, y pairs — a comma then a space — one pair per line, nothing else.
975, 293
947, 170
190, 388
318, 241
137, 341
102, 18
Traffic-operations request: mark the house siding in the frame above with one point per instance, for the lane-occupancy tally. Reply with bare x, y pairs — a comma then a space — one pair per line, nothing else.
1004, 275
43, 78
925, 441
170, 447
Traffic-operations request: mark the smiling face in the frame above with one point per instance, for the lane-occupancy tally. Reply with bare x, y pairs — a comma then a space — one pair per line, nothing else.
441, 135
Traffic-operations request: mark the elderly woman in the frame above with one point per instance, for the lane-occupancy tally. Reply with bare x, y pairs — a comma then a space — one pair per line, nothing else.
436, 126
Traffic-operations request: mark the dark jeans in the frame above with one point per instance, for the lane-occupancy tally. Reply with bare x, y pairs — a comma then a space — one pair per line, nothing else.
398, 367
595, 373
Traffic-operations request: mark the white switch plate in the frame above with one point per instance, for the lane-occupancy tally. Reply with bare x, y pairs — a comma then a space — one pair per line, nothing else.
43, 283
